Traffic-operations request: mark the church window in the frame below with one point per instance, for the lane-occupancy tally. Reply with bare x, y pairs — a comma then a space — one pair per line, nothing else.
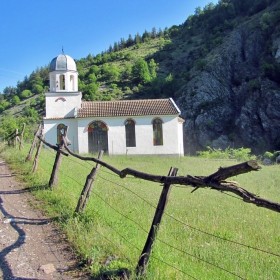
60, 132
157, 132
130, 133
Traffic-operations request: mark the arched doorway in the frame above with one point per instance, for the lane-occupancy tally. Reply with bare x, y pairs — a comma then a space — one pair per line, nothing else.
97, 137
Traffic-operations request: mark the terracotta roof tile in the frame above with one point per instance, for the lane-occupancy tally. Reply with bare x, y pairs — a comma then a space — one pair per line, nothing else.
128, 108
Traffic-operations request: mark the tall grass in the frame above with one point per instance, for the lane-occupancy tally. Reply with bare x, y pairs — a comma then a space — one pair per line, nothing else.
192, 239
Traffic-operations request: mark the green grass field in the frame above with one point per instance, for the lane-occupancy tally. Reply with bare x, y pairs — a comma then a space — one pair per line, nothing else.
194, 237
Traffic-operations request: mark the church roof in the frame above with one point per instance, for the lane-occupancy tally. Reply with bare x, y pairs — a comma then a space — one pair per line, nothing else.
142, 107
63, 62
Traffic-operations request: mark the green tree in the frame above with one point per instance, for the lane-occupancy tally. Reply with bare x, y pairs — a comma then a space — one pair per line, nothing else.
37, 88
8, 125
160, 33
137, 39
9, 92
153, 69
4, 104
90, 91
31, 113
126, 74
110, 73
129, 41
170, 86
92, 78
154, 33
94, 69
15, 100
25, 94
140, 71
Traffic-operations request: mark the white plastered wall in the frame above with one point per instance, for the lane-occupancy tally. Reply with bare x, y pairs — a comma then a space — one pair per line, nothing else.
180, 139
50, 131
62, 105
172, 136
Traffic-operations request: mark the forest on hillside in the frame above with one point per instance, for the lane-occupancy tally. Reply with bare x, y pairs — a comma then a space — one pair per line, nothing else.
165, 63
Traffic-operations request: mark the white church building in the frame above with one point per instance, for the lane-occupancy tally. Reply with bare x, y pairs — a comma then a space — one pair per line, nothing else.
132, 127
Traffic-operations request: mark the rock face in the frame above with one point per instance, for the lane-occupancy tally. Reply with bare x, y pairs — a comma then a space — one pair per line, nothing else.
231, 102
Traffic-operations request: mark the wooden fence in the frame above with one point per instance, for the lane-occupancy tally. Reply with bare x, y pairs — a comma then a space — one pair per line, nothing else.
216, 181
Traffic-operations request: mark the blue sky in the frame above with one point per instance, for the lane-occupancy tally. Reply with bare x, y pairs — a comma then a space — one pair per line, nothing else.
33, 32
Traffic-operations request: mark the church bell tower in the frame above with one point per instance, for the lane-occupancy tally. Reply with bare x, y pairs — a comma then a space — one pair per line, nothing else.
63, 98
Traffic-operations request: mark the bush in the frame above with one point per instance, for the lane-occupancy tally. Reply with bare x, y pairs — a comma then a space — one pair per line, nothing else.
241, 154
25, 94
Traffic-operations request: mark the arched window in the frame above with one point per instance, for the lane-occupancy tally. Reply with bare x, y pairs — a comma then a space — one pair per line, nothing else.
130, 133
60, 132
157, 132
62, 82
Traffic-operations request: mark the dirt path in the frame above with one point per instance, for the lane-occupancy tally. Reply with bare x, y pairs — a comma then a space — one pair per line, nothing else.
30, 246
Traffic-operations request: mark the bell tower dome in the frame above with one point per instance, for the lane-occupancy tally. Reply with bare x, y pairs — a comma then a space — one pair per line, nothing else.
63, 98
63, 74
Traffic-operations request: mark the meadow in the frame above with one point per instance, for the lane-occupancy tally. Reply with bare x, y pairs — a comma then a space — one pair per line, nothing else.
203, 235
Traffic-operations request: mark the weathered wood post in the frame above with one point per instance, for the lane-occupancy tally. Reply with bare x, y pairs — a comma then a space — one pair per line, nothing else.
21, 136
84, 197
59, 149
16, 138
35, 162
88, 186
54, 176
35, 139
145, 255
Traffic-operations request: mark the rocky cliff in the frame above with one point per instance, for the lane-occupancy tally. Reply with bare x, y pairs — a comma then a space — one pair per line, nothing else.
234, 101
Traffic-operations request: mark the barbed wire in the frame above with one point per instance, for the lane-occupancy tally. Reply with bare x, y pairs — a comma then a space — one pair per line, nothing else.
182, 251
175, 219
130, 242
194, 228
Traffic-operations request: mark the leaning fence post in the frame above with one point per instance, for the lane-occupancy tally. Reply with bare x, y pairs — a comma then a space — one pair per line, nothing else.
88, 187
145, 255
16, 138
54, 176
21, 136
29, 156
35, 162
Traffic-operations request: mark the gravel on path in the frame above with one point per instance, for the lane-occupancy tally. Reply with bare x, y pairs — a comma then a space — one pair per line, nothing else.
30, 245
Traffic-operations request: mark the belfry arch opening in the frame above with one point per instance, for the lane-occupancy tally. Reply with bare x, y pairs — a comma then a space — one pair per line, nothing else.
62, 82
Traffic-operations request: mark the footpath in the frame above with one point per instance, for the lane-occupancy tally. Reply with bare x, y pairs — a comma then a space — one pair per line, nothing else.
30, 245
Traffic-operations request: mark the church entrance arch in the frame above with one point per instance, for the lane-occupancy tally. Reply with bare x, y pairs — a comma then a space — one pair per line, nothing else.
97, 137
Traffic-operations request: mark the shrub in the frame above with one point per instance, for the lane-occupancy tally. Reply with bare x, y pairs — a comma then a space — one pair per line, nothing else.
241, 154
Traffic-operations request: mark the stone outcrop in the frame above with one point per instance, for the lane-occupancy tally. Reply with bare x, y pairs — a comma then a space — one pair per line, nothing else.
231, 103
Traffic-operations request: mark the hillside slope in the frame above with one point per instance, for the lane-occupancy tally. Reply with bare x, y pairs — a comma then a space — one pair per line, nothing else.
221, 66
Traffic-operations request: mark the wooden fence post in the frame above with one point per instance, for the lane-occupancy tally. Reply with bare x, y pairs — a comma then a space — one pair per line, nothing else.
145, 255
35, 162
16, 138
88, 187
29, 156
21, 136
54, 176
